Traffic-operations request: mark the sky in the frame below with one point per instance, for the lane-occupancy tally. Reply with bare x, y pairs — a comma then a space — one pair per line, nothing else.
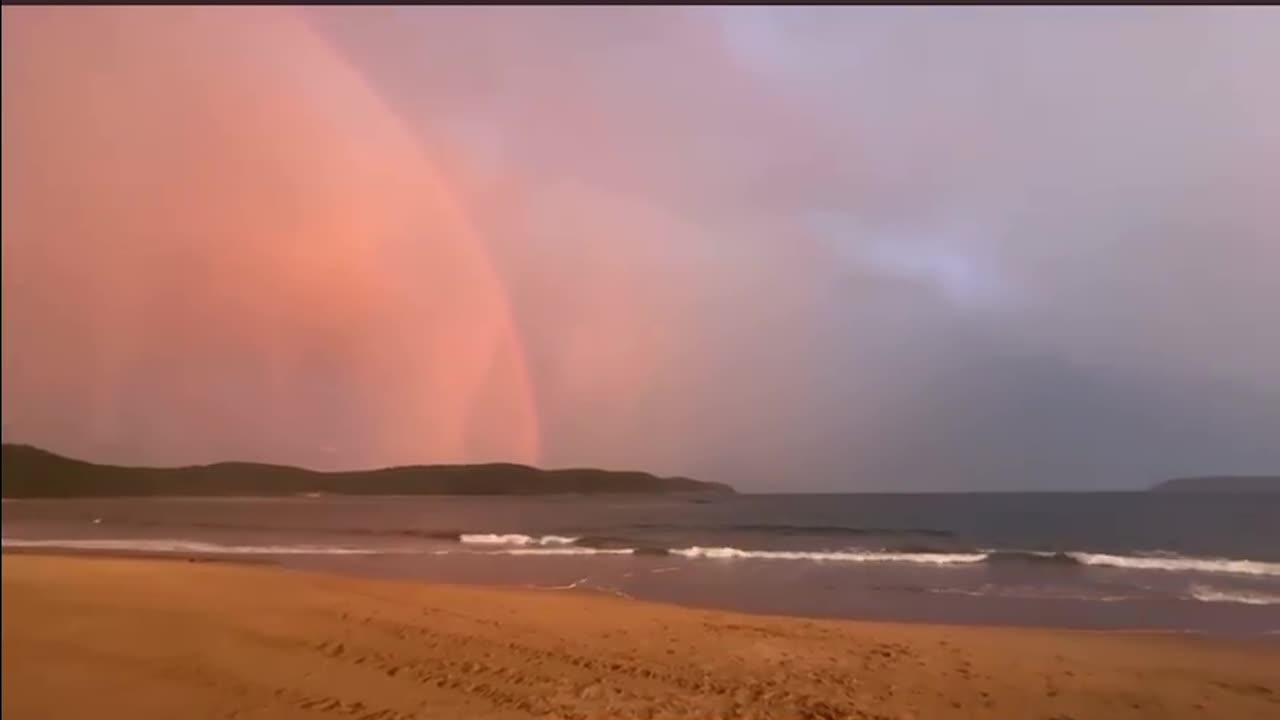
792, 249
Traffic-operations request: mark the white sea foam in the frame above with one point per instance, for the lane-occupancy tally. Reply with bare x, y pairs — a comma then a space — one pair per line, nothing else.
1179, 564
563, 551
1204, 593
1171, 563
838, 556
560, 545
515, 539
537, 551
185, 546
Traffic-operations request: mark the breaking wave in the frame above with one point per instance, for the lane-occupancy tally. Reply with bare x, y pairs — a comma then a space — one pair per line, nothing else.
1031, 557
514, 539
1178, 563
1169, 563
563, 551
841, 555
1204, 593
550, 545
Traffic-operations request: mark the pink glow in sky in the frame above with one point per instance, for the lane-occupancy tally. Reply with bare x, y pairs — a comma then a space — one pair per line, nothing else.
786, 248
208, 253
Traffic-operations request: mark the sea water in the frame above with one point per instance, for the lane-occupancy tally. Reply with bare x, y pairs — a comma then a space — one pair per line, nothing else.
1198, 563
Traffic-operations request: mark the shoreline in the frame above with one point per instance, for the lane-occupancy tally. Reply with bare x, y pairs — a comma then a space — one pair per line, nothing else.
215, 639
684, 584
1264, 639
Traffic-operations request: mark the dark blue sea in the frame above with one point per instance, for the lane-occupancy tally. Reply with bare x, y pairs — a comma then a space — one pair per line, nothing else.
1170, 562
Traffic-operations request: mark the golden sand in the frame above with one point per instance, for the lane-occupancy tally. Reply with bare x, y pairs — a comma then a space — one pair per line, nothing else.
123, 638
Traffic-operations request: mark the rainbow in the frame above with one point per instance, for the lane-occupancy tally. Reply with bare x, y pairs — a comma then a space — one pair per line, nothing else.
220, 192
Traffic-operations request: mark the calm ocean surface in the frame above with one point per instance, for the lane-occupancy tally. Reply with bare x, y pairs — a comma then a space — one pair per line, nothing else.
1207, 563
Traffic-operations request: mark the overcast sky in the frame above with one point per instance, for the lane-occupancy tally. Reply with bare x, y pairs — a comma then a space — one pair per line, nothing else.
840, 248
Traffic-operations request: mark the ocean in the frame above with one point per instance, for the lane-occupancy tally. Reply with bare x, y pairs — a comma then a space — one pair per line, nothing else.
1151, 561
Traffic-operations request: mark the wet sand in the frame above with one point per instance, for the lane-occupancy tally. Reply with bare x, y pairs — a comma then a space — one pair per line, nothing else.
127, 638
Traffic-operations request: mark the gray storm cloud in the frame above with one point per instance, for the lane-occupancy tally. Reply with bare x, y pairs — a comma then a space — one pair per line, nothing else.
889, 247
867, 248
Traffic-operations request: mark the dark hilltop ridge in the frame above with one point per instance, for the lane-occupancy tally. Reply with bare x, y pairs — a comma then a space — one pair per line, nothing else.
30, 472
1222, 484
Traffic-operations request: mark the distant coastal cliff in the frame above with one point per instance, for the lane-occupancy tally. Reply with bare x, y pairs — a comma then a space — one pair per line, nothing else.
29, 472
1222, 484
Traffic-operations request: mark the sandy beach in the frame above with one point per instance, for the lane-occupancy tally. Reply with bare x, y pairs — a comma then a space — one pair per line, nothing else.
128, 638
